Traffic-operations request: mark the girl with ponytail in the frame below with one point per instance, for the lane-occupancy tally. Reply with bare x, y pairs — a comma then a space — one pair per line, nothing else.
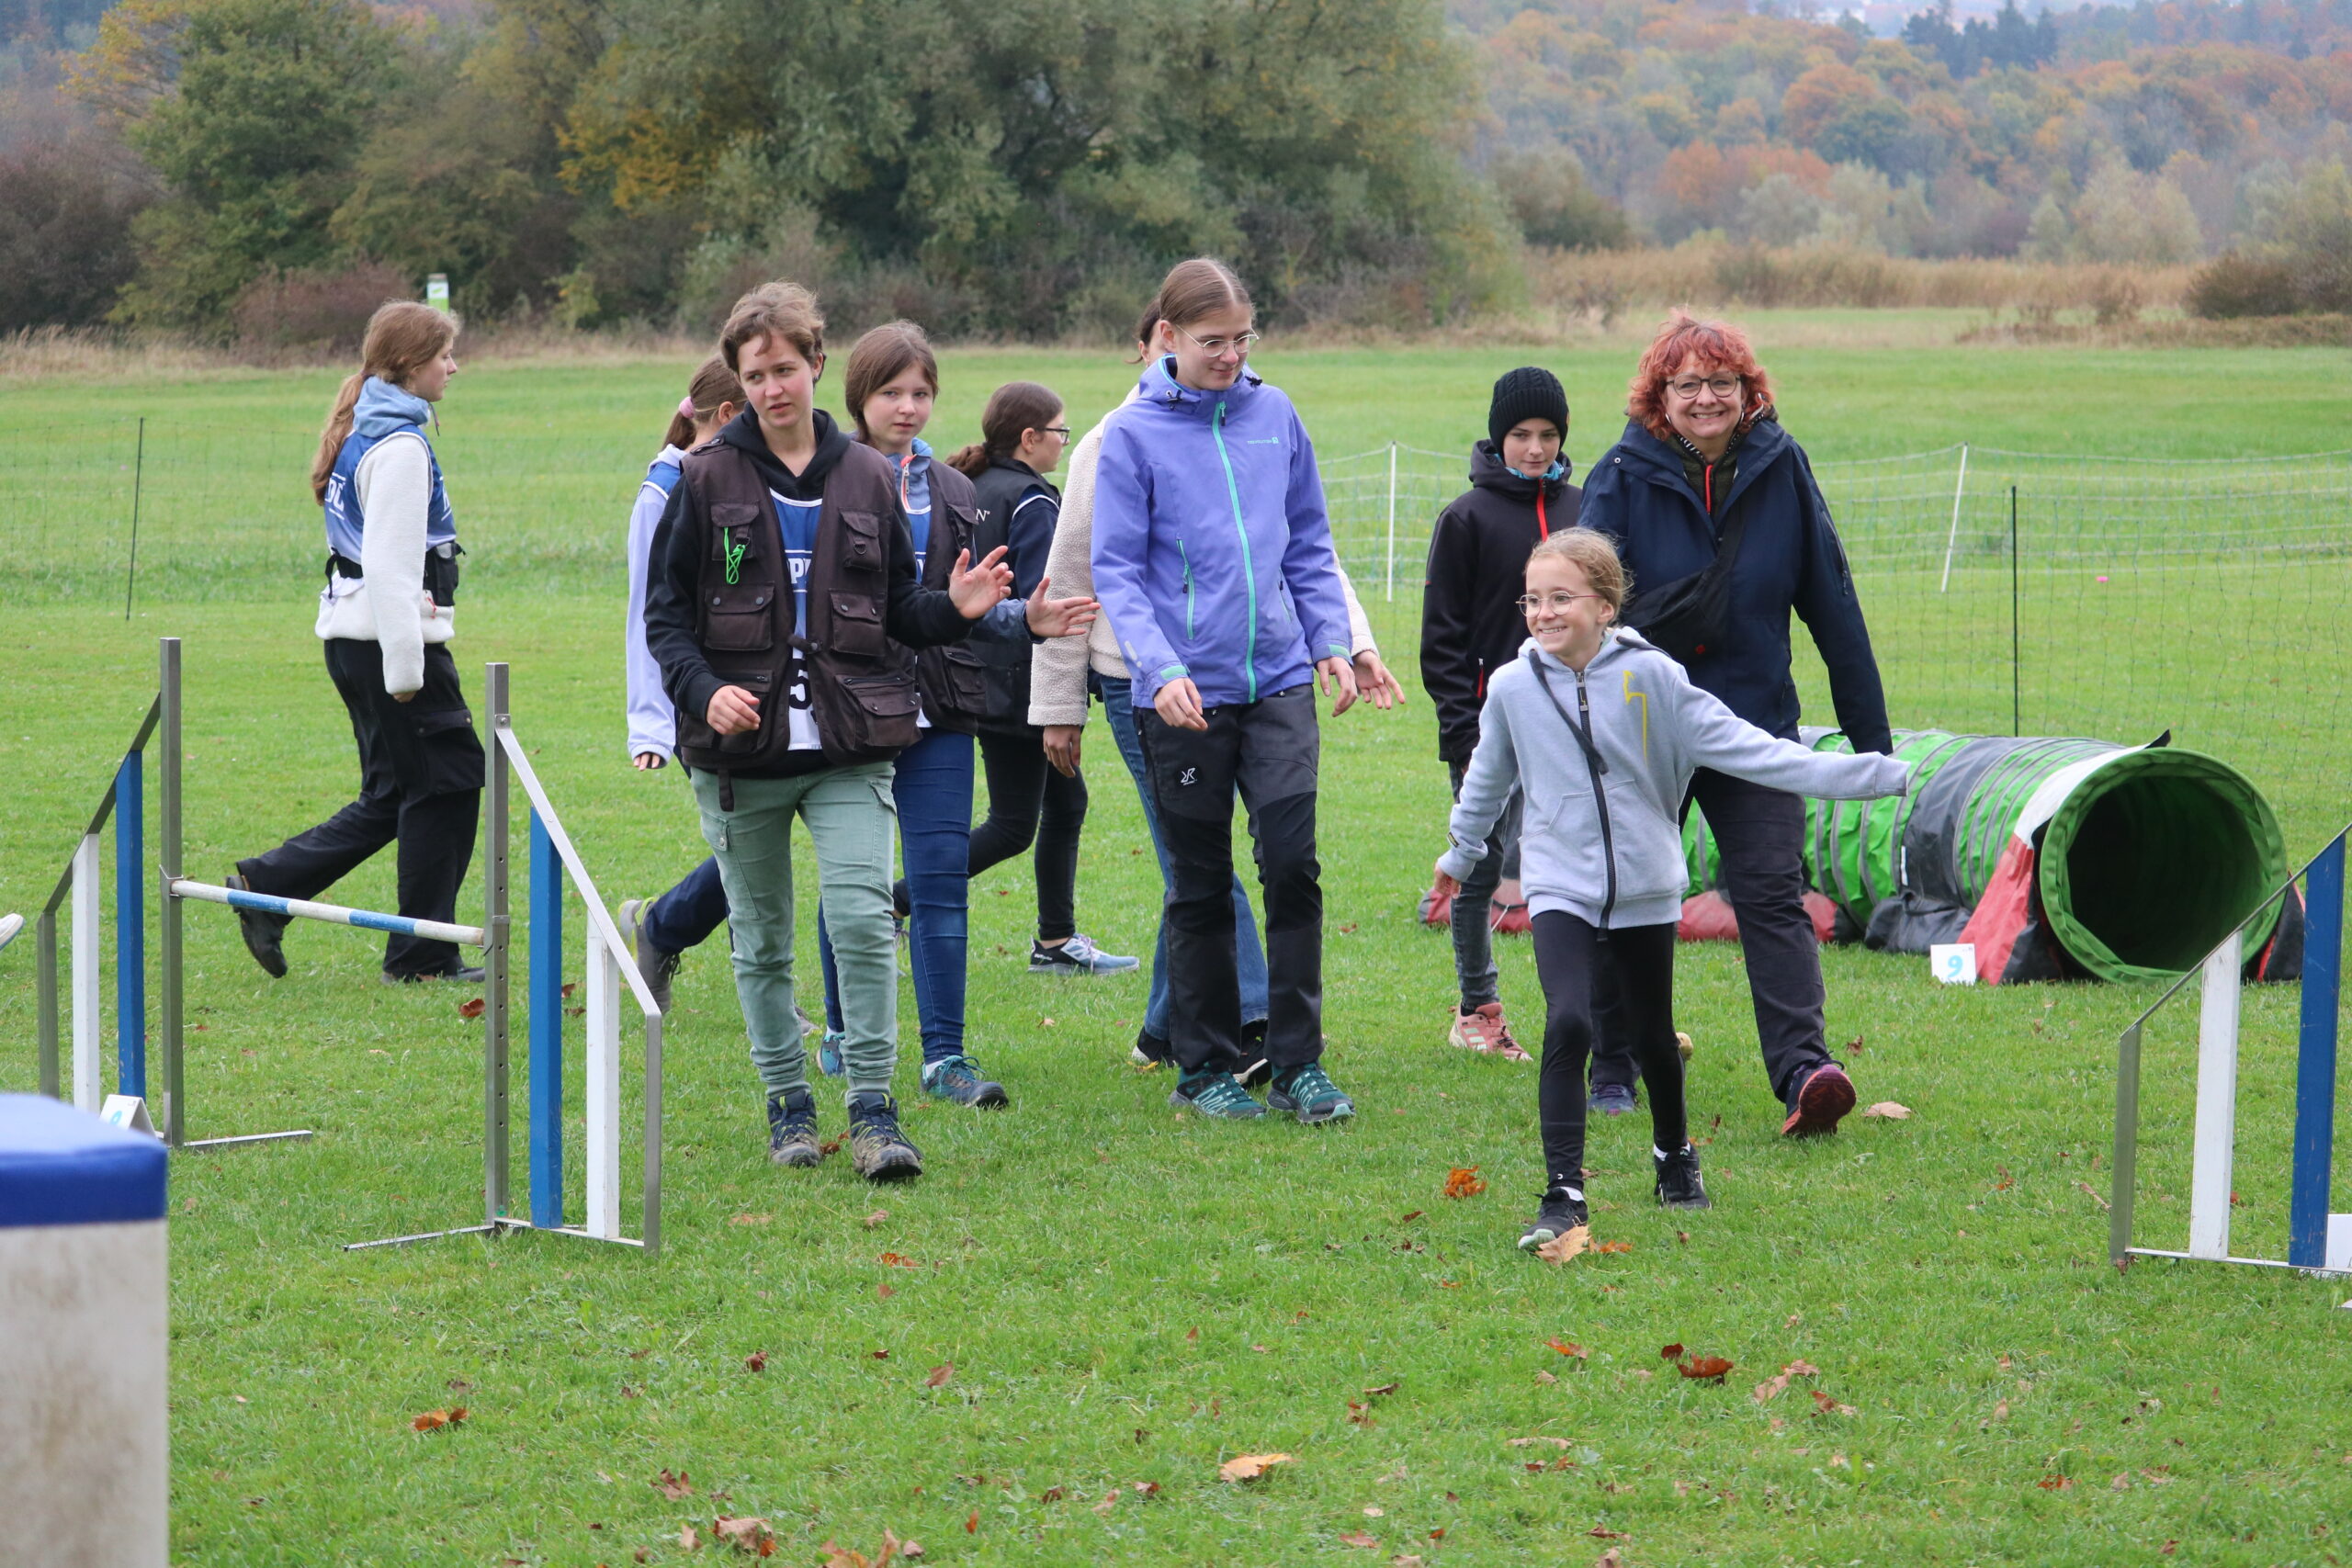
386, 617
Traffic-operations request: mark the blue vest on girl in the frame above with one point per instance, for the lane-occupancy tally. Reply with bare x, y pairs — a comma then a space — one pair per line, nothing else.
383, 410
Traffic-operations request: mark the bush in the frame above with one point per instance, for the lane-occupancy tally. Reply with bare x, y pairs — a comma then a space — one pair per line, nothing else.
2235, 283
323, 311
1547, 196
66, 236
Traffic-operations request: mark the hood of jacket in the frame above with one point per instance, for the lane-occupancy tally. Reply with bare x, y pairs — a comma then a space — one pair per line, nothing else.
669, 455
742, 432
1762, 444
384, 409
1489, 471
1158, 385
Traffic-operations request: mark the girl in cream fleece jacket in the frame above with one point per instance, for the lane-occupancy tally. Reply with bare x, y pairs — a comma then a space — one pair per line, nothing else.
1602, 733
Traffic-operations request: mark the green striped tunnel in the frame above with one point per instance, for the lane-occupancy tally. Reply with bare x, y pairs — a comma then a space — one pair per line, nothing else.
2147, 857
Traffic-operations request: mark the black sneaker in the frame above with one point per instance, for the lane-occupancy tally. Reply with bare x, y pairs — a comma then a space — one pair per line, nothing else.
1309, 1094
658, 966
1149, 1050
1078, 955
958, 1079
792, 1129
1678, 1186
263, 933
878, 1150
463, 975
1562, 1211
1612, 1098
1253, 1069
1215, 1096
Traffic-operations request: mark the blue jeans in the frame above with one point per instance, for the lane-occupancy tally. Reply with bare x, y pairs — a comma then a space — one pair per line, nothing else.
933, 787
685, 916
1119, 709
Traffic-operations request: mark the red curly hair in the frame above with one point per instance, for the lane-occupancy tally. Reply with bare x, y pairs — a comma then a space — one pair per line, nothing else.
1719, 347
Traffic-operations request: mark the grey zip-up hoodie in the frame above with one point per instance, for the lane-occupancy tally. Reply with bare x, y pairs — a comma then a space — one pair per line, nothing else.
1616, 861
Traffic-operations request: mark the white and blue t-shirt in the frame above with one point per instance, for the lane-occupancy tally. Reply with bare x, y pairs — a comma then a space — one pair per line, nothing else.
797, 520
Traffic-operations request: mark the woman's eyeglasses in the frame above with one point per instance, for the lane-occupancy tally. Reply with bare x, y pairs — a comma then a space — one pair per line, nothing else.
1219, 347
1558, 603
1687, 389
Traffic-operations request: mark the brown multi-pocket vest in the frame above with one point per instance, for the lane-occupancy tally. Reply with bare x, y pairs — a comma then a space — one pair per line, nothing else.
862, 689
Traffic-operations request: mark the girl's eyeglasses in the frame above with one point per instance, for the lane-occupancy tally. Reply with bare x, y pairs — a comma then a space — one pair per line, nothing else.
1219, 347
1557, 602
1060, 430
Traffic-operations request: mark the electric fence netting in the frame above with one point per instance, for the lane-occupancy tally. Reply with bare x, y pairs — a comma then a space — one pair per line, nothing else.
2124, 598
2119, 599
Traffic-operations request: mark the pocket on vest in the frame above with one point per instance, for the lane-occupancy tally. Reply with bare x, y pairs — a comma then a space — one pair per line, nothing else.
862, 542
741, 620
857, 624
866, 714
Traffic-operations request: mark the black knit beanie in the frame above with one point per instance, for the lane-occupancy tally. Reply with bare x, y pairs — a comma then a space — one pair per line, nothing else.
1527, 392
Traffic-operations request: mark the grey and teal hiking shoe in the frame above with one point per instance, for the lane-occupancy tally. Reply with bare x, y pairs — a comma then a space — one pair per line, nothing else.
878, 1150
1562, 1211
1218, 1096
1078, 955
957, 1079
792, 1129
1309, 1094
828, 1053
658, 966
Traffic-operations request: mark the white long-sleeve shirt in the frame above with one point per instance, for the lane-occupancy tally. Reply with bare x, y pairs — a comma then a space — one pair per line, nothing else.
652, 721
388, 605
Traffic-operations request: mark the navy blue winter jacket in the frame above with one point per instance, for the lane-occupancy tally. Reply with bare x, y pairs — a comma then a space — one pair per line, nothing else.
1789, 560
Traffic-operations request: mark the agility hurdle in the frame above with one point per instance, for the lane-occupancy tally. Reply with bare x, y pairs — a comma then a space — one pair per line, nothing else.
123, 801
2316, 1240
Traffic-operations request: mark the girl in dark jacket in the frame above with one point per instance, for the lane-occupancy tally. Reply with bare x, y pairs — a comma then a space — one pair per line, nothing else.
1023, 433
1704, 463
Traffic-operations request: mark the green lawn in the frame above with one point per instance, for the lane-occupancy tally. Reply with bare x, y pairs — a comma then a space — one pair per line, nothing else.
1125, 1298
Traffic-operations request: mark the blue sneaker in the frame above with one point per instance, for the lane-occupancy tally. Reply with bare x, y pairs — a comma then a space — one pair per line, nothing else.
1309, 1094
1612, 1098
828, 1053
958, 1080
1214, 1095
1078, 955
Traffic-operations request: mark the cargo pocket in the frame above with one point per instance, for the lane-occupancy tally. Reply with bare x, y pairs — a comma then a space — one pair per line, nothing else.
857, 624
449, 755
862, 715
739, 620
968, 681
862, 542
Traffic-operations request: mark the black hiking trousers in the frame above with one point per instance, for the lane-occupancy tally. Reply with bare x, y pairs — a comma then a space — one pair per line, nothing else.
420, 783
1267, 753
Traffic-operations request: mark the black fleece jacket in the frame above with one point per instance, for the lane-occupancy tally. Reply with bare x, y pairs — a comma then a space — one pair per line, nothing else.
915, 616
1470, 620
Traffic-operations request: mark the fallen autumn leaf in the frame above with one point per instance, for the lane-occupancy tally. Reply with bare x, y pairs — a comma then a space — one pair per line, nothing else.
940, 1375
1250, 1467
1888, 1110
1567, 1245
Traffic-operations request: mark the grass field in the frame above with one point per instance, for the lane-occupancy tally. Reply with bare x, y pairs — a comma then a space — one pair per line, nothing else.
1126, 1298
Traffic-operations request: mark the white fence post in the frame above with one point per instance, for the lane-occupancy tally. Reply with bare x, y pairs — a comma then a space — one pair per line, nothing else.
1391, 591
2217, 1104
1959, 489
603, 1093
89, 1091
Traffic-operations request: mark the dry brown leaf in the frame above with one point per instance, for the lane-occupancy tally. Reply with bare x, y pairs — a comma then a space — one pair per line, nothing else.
1463, 1181
1802, 1370
1250, 1467
1568, 1348
1567, 1245
470, 1008
435, 1418
2055, 1482
1772, 1388
1609, 1559
883, 1293
1531, 1443
1359, 1416
910, 1549
674, 1487
876, 1217
756, 1361
688, 1539
2120, 1484
972, 1522
1887, 1110
1707, 1369
2095, 1195
940, 1375
745, 1535
1829, 1406
749, 1219
1357, 1538
1404, 1560
898, 1260
1612, 1246
1670, 1352
1545, 1377
1603, 1532
1376, 1390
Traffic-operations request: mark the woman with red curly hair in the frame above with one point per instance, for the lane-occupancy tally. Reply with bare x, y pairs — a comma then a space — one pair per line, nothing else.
1715, 512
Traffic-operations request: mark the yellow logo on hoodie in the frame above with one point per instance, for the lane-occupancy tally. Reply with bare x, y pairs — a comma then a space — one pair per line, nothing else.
1633, 696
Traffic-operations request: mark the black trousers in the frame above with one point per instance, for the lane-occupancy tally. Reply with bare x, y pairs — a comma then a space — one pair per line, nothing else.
1029, 798
1760, 845
1267, 753
1570, 957
420, 783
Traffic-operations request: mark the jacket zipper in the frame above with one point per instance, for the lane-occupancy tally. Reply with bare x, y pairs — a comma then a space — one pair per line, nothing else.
1184, 556
1249, 574
1601, 801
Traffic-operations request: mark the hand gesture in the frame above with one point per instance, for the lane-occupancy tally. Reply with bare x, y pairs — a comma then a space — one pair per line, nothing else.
1061, 748
1178, 702
977, 590
1338, 679
646, 761
1375, 684
732, 711
1444, 886
1058, 617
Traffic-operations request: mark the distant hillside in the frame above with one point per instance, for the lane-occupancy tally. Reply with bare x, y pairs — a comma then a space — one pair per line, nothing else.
2153, 133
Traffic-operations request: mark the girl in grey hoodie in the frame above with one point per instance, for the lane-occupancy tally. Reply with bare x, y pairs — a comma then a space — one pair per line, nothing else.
1601, 732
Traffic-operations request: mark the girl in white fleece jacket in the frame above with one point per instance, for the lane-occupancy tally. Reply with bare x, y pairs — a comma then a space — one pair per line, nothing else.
386, 616
1602, 732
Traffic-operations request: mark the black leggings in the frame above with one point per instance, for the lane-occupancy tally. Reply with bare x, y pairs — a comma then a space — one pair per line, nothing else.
1029, 798
1568, 954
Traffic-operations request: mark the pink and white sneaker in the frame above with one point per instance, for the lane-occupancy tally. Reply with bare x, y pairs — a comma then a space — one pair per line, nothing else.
1486, 1032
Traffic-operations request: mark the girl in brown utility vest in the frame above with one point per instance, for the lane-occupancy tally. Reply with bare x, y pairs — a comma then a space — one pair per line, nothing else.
784, 609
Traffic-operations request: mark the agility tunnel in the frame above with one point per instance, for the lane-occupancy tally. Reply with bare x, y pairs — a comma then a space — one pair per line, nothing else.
2057, 858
